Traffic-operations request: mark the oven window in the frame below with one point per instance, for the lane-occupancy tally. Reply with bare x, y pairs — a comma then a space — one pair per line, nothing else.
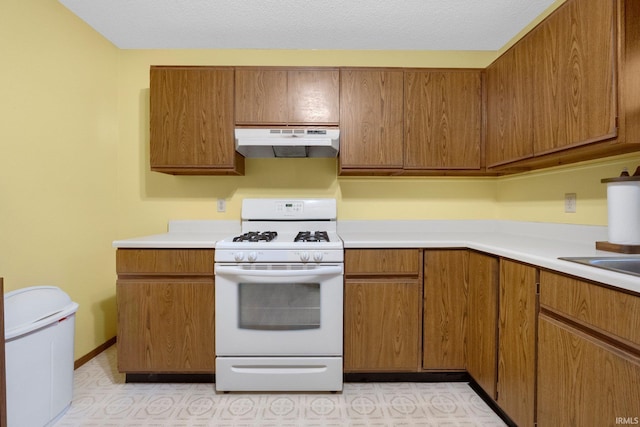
279, 306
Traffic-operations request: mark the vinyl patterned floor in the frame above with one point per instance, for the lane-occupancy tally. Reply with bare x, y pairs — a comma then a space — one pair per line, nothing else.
102, 398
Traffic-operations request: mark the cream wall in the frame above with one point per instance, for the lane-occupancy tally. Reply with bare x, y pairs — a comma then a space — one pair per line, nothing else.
539, 196
58, 163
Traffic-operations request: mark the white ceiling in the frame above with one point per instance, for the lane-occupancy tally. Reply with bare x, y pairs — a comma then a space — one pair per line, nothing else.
307, 24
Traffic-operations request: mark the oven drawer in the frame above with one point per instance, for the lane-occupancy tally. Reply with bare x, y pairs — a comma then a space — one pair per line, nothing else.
279, 374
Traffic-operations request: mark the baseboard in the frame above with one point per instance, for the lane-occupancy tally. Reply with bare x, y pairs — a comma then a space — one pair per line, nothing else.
170, 378
491, 403
420, 377
93, 353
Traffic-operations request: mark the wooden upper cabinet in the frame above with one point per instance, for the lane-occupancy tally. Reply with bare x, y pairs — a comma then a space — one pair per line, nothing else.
443, 119
314, 96
268, 96
371, 121
509, 108
568, 91
574, 61
191, 117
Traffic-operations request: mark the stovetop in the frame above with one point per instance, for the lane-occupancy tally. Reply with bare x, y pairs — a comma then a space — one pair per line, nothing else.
276, 230
269, 236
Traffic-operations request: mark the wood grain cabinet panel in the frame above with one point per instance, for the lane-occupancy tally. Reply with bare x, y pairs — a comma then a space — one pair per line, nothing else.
314, 96
517, 342
382, 326
191, 118
445, 309
608, 311
276, 96
164, 261
509, 106
382, 310
574, 66
443, 119
165, 326
482, 330
261, 96
165, 300
583, 381
382, 262
371, 121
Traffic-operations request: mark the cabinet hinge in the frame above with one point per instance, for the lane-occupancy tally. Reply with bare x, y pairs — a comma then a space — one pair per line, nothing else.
537, 288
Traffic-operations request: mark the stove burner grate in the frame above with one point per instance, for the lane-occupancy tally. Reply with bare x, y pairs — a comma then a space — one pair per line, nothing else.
308, 236
256, 236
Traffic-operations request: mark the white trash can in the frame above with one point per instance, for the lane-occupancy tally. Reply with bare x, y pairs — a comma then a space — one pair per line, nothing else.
39, 338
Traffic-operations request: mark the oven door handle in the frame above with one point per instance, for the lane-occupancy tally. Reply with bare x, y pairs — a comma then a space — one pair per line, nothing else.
234, 271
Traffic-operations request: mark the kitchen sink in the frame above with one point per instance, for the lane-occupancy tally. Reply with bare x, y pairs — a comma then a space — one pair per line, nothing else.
620, 264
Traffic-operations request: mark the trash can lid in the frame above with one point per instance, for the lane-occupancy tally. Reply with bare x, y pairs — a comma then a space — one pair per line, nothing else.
26, 309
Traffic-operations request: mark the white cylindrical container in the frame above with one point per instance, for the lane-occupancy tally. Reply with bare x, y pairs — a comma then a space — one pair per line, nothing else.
39, 339
623, 207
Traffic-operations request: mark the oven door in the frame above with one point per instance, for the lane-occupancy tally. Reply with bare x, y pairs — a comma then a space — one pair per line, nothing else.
278, 310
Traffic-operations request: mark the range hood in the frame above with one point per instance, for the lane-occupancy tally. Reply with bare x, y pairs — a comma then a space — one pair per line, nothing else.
287, 142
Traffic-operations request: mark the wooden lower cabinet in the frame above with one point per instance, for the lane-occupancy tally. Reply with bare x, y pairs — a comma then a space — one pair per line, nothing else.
165, 301
382, 310
382, 326
517, 325
588, 353
584, 381
445, 309
482, 332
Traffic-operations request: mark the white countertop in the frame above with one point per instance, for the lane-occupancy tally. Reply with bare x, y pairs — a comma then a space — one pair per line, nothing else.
538, 244
194, 234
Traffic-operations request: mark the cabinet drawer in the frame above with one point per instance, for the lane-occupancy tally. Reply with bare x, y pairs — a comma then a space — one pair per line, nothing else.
607, 310
382, 262
183, 262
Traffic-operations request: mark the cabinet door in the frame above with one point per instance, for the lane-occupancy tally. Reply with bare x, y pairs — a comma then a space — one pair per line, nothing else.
165, 326
482, 336
517, 342
191, 116
382, 326
509, 106
574, 89
583, 381
261, 96
287, 97
314, 97
445, 309
443, 113
371, 117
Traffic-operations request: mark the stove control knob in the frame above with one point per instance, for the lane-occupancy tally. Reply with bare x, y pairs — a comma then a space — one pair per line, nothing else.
252, 256
304, 256
317, 256
238, 256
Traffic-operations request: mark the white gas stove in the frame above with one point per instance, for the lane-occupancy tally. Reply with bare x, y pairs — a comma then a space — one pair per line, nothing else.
279, 296
275, 230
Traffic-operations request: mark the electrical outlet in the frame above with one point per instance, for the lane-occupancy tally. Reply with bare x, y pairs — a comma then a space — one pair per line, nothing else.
221, 205
570, 202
